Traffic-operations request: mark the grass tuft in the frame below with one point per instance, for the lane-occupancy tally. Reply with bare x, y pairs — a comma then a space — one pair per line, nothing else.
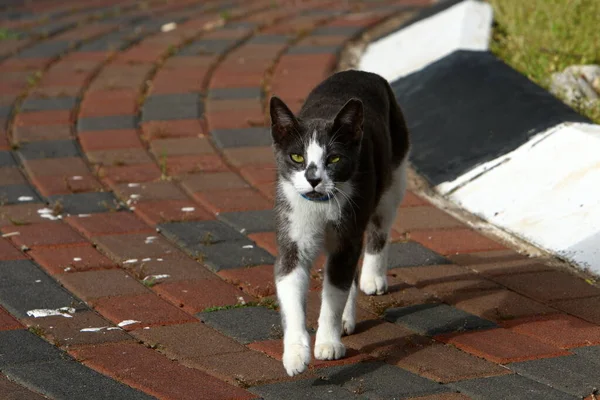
540, 37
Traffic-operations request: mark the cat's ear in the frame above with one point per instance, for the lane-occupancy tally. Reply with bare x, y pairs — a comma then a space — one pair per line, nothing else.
349, 119
283, 121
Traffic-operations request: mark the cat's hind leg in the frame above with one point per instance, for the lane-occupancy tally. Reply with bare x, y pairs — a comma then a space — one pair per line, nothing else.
373, 279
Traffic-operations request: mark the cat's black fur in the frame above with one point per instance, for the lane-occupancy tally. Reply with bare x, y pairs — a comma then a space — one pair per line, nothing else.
354, 115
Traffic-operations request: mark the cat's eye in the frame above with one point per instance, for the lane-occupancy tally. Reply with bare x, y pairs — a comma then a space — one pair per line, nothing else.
333, 159
297, 158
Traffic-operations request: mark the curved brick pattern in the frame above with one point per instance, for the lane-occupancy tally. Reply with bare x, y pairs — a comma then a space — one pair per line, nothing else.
136, 174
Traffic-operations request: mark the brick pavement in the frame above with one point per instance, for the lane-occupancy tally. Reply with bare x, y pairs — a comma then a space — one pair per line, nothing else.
136, 181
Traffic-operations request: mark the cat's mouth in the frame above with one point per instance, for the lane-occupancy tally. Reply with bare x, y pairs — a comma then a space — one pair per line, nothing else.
316, 196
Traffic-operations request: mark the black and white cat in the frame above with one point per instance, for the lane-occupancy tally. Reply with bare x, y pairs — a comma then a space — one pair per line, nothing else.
341, 173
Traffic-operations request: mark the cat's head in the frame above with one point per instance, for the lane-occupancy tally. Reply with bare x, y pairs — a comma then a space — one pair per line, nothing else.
316, 155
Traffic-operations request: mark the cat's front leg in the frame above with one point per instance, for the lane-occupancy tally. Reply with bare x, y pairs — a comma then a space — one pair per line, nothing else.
291, 279
336, 315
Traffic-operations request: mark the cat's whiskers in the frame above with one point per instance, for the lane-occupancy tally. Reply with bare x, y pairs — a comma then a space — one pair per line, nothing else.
348, 198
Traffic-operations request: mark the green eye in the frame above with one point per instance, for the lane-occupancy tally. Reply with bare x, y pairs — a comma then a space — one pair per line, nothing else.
334, 159
297, 158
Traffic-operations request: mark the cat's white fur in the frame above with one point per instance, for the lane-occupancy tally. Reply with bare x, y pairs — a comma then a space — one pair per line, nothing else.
306, 227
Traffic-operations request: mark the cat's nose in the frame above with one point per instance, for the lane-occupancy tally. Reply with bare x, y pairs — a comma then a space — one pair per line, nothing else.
314, 181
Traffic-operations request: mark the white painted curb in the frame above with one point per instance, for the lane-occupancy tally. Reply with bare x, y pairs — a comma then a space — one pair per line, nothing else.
547, 191
464, 26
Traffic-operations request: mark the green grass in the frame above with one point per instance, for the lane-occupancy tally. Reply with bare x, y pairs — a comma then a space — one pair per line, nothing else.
5, 34
540, 37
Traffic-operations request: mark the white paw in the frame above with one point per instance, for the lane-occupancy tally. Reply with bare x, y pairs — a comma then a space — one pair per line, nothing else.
348, 325
373, 284
296, 358
329, 351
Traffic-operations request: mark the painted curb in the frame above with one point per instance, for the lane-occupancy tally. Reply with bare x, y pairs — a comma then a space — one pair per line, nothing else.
488, 139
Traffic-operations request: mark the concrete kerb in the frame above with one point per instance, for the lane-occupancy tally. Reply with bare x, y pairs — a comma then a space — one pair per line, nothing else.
537, 192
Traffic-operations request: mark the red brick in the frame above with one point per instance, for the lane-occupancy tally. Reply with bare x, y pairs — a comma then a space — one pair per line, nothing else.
109, 223
502, 346
13, 391
495, 256
33, 133
9, 252
209, 181
148, 309
181, 341
19, 214
45, 234
66, 259
177, 265
174, 82
150, 191
180, 147
432, 274
7, 322
559, 330
53, 117
442, 396
156, 212
106, 140
234, 119
90, 285
586, 309
455, 241
195, 296
266, 240
259, 174
233, 200
510, 267
274, 349
415, 218
130, 173
248, 367
257, 281
53, 185
250, 156
443, 363
67, 332
68, 166
134, 247
194, 163
549, 285
399, 294
119, 157
145, 369
499, 305
380, 338
172, 129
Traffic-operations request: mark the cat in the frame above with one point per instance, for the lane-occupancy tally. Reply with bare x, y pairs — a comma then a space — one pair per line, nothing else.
341, 174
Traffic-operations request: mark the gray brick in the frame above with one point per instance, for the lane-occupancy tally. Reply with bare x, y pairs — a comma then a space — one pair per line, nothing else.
337, 30
106, 123
269, 39
435, 319
412, 254
67, 379
172, 106
245, 324
45, 49
49, 149
49, 103
231, 255
192, 233
5, 112
24, 286
239, 24
243, 137
52, 28
306, 49
21, 346
86, 203
235, 93
377, 380
18, 194
6, 159
20, 272
112, 41
592, 353
571, 374
250, 221
204, 46
304, 389
508, 387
